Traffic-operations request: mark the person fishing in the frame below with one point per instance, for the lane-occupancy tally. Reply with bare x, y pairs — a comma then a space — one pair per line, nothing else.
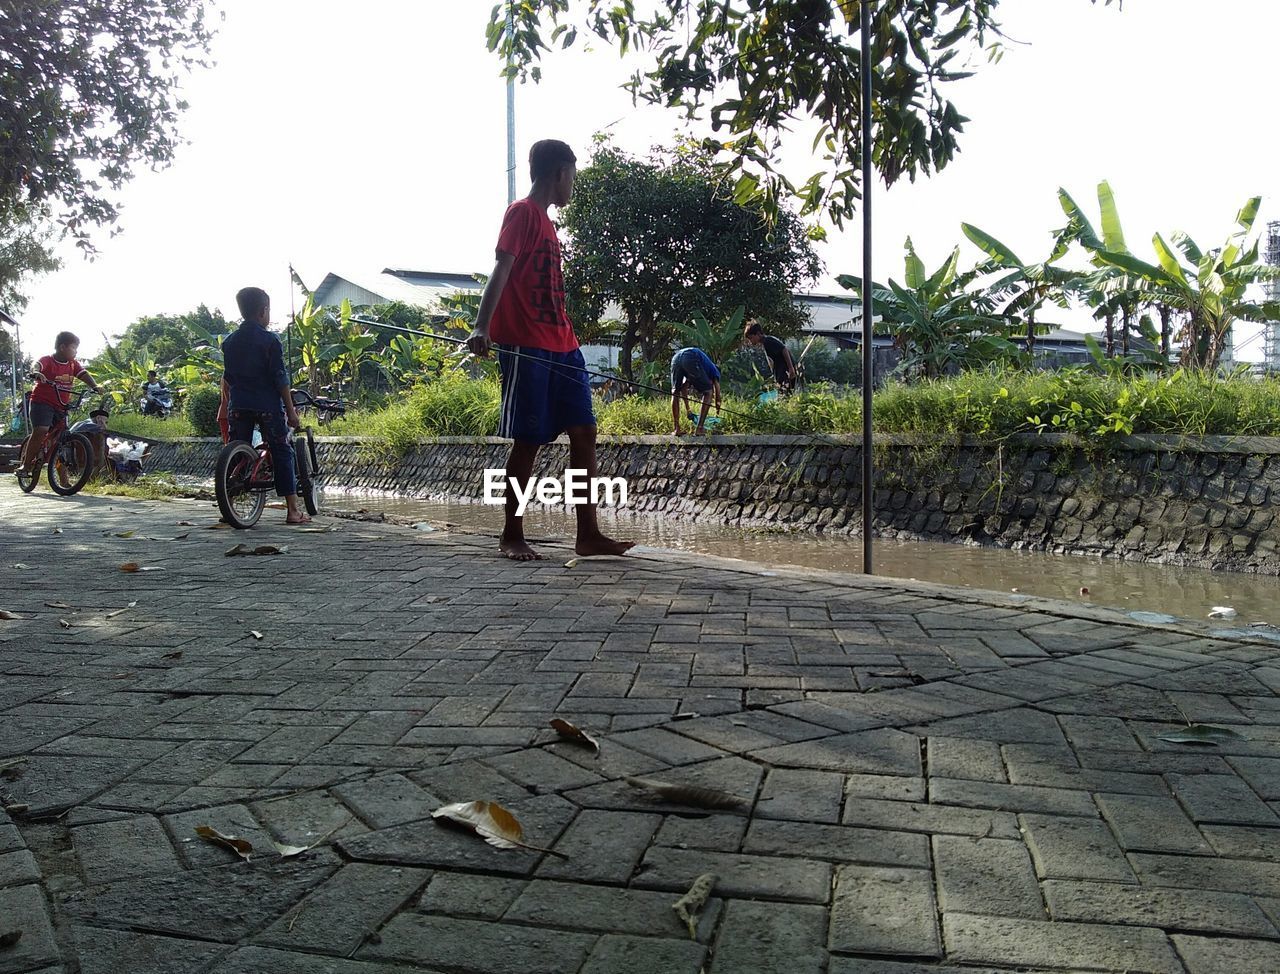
692, 369
545, 387
781, 363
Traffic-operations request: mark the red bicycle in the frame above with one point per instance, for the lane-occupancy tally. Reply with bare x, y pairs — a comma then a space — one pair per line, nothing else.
243, 476
67, 456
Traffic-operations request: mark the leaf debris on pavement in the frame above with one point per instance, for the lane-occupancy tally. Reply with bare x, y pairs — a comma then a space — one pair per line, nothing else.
688, 906
112, 615
573, 733
174, 655
490, 821
6, 614
64, 624
241, 847
255, 634
130, 566
57, 605
1202, 734
244, 550
695, 795
21, 567
10, 938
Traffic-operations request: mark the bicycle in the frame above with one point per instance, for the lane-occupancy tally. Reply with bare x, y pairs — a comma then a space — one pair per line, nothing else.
68, 456
243, 476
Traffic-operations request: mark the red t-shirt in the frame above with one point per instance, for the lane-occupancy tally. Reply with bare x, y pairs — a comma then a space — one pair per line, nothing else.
62, 375
531, 310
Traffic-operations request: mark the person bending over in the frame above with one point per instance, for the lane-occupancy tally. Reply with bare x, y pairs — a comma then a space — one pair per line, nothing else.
693, 370
256, 386
545, 391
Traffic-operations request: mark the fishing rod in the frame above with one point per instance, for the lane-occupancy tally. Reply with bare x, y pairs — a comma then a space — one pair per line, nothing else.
796, 430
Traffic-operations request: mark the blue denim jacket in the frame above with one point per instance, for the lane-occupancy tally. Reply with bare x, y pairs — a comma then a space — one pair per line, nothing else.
253, 364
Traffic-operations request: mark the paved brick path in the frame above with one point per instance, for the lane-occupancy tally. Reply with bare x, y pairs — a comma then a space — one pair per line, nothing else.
930, 780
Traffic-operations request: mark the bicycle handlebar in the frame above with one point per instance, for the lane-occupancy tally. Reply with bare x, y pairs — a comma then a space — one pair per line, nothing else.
303, 398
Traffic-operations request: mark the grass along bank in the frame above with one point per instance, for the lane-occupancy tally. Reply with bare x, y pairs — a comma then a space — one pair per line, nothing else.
990, 405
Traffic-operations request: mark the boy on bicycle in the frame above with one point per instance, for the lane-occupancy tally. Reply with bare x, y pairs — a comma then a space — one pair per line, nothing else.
257, 388
54, 375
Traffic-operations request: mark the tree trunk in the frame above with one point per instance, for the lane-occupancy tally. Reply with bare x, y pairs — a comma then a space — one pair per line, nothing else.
1111, 334
627, 347
1124, 332
1164, 331
1031, 336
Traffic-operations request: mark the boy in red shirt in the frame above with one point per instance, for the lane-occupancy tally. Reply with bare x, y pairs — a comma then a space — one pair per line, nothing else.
545, 391
55, 374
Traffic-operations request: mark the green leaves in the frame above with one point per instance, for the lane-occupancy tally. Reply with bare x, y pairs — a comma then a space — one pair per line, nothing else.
754, 70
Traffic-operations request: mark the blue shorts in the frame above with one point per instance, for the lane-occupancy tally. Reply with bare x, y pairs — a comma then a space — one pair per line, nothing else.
543, 393
687, 364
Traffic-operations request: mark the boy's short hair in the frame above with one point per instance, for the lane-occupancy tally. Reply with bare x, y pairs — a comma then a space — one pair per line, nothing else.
547, 157
753, 328
65, 338
151, 371
251, 301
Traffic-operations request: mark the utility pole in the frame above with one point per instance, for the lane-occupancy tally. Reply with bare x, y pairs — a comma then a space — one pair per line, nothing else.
868, 332
511, 114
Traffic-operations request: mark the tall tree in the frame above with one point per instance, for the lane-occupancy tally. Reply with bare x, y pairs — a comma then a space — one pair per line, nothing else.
167, 338
663, 238
88, 92
757, 67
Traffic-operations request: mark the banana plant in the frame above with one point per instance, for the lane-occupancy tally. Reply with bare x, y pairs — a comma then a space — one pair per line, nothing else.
351, 348
719, 341
1023, 289
1210, 288
937, 322
1110, 291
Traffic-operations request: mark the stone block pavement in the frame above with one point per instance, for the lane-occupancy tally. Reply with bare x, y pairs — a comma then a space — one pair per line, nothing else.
934, 779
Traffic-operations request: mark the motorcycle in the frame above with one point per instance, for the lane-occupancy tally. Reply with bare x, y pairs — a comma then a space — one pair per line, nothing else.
158, 404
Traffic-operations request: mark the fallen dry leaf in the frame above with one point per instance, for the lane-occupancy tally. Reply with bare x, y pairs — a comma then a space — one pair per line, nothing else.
64, 624
20, 809
241, 847
270, 549
571, 562
120, 676
130, 566
6, 614
112, 615
686, 715
186, 524
125, 534
21, 567
10, 938
694, 795
688, 906
490, 821
1202, 734
151, 568
255, 634
575, 734
57, 605
57, 530
177, 655
289, 851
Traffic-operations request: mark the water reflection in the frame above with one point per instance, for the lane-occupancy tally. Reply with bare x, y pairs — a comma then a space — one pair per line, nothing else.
1185, 592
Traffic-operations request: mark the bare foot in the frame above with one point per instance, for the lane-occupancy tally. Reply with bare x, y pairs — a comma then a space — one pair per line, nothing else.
299, 519
518, 550
598, 544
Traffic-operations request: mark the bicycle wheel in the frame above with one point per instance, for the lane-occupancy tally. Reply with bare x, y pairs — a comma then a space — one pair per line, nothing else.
239, 501
71, 464
27, 481
303, 449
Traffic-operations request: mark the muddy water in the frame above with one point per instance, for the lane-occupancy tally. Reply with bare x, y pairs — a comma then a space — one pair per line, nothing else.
1132, 586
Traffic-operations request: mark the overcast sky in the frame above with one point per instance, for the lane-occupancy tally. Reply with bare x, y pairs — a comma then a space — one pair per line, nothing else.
352, 137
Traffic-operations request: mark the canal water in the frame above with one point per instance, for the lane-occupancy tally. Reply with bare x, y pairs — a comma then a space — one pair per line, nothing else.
1130, 586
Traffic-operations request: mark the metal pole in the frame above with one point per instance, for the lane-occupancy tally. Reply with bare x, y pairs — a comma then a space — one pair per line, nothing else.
511, 116
868, 334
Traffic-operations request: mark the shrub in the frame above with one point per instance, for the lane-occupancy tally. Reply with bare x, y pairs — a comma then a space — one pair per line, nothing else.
202, 409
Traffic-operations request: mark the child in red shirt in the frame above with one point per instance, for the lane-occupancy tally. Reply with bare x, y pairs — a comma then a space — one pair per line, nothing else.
545, 391
54, 375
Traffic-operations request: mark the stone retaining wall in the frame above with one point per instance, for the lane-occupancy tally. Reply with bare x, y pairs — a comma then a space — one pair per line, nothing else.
1192, 501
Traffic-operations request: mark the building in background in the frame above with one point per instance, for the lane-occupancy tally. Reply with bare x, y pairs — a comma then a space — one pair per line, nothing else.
1271, 334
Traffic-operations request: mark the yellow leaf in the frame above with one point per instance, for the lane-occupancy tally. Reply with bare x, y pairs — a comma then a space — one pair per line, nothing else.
241, 847
575, 734
124, 534
489, 820
687, 906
